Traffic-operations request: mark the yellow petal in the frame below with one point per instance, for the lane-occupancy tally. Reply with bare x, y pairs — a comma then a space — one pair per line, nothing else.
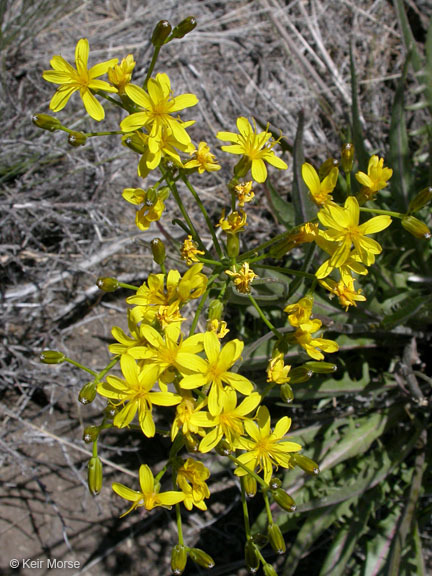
93, 107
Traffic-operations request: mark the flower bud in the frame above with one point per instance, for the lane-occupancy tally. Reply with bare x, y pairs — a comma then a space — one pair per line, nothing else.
269, 570
178, 559
284, 500
215, 310
242, 167
95, 475
192, 443
52, 357
300, 374
46, 122
347, 157
275, 483
416, 227
110, 411
77, 139
305, 463
161, 32
286, 393
107, 284
201, 558
135, 142
223, 448
185, 26
87, 393
90, 434
326, 167
158, 250
250, 485
233, 245
251, 557
259, 539
321, 367
422, 198
276, 538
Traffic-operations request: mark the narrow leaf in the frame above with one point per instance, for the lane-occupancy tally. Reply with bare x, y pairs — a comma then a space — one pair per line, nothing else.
357, 129
304, 209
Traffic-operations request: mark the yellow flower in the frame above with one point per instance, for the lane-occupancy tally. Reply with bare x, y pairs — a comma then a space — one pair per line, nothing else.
214, 372
313, 346
244, 193
121, 74
344, 229
344, 290
134, 393
152, 209
320, 191
189, 251
219, 327
149, 497
256, 147
81, 78
183, 419
266, 449
376, 179
352, 263
229, 423
234, 222
299, 312
203, 159
191, 479
277, 371
158, 104
243, 278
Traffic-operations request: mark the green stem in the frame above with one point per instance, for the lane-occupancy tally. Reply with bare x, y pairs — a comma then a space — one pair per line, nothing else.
201, 304
78, 365
245, 510
282, 270
267, 507
152, 65
128, 286
385, 212
249, 471
204, 213
253, 253
348, 183
108, 367
263, 317
296, 283
179, 524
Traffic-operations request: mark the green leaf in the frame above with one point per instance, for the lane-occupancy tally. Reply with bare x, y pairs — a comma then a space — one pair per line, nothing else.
357, 130
377, 548
304, 208
283, 210
409, 308
399, 154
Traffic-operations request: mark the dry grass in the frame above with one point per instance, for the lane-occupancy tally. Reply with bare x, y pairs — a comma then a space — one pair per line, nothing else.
64, 223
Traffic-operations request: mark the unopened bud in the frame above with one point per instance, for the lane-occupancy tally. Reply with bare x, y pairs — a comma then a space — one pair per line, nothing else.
192, 443
185, 26
259, 539
135, 142
300, 374
90, 434
326, 167
416, 227
251, 557
284, 500
178, 559
223, 448
46, 122
158, 251
269, 570
52, 357
161, 32
110, 411
215, 310
275, 483
250, 485
107, 284
77, 139
347, 157
321, 367
87, 393
305, 463
201, 558
242, 167
95, 475
233, 245
276, 538
422, 198
286, 393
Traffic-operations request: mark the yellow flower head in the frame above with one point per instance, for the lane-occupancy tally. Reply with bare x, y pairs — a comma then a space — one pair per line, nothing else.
256, 147
152, 205
149, 496
243, 278
376, 179
83, 79
219, 327
320, 191
158, 106
277, 371
121, 74
203, 159
189, 251
234, 222
313, 346
191, 479
344, 229
183, 419
300, 312
244, 193
344, 290
266, 449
